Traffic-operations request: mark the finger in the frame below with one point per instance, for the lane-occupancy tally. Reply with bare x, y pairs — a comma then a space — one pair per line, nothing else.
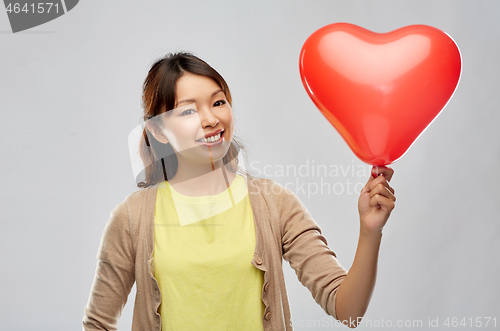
382, 170
380, 189
380, 180
366, 188
379, 201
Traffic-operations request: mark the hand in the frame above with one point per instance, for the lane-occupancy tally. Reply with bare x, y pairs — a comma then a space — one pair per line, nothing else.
376, 200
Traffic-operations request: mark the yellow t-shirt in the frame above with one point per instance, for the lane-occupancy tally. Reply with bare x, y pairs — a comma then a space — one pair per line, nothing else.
202, 258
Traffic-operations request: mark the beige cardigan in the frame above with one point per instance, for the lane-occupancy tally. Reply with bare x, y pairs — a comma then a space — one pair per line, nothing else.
284, 230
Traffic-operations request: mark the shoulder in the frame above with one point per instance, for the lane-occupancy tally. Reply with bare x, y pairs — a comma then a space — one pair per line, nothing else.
134, 205
138, 198
269, 188
130, 201
284, 208
273, 193
265, 186
124, 224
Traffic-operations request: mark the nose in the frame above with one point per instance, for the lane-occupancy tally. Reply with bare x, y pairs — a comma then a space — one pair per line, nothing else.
207, 117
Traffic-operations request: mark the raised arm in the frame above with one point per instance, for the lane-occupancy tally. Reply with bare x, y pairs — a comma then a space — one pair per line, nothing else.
114, 275
375, 205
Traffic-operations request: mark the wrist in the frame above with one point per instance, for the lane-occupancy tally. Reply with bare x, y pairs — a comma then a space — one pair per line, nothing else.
370, 233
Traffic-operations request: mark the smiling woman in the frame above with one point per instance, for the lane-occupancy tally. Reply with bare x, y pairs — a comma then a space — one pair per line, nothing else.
204, 244
169, 93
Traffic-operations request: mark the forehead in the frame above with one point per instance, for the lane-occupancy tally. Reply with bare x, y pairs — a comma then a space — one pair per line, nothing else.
190, 85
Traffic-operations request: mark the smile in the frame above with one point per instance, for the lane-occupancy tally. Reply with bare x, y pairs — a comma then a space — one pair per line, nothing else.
212, 141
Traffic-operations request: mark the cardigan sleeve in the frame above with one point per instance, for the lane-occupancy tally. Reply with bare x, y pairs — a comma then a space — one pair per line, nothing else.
305, 248
114, 276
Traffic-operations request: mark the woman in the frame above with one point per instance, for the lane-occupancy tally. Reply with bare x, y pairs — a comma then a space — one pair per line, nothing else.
203, 240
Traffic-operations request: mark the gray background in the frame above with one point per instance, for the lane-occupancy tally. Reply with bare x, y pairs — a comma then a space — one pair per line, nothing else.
70, 95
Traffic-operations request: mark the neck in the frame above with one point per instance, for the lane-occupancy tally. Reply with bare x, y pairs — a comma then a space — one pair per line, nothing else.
201, 179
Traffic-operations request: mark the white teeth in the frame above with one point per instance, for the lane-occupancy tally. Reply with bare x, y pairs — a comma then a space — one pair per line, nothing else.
211, 139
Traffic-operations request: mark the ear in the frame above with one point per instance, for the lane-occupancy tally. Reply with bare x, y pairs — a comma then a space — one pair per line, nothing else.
157, 132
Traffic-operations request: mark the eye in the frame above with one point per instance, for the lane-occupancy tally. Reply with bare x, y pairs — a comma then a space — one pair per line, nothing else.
187, 112
219, 103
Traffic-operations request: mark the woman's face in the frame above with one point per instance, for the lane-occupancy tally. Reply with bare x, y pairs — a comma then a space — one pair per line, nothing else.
201, 108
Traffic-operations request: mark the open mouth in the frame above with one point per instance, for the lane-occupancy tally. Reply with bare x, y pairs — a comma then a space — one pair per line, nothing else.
217, 139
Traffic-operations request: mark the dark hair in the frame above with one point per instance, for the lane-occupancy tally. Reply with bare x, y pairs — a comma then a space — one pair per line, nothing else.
159, 96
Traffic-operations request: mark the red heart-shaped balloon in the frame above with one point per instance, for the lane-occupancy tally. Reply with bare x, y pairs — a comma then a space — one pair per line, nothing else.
380, 90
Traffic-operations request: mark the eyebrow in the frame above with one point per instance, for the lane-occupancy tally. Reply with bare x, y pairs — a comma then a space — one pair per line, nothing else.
193, 100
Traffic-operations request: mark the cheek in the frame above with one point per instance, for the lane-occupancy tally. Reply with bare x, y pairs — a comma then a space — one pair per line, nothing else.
182, 133
230, 125
172, 134
229, 117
